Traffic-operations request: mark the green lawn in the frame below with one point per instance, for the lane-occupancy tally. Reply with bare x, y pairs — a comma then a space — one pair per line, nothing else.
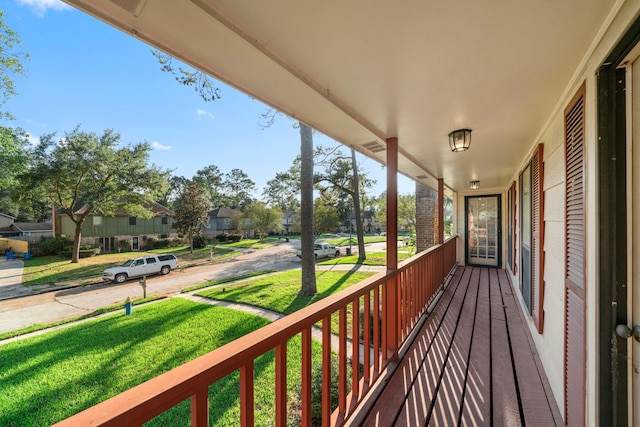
47, 378
375, 258
344, 241
281, 292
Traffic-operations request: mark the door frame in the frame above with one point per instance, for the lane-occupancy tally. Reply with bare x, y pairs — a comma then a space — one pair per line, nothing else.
499, 231
612, 278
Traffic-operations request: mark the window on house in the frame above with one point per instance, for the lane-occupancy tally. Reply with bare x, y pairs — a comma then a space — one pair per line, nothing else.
132, 220
165, 220
532, 237
97, 221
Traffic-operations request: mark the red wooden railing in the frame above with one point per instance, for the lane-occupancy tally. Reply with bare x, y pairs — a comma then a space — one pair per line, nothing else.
417, 282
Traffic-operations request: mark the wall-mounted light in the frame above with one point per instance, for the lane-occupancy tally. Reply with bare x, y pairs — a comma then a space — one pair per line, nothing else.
474, 185
459, 140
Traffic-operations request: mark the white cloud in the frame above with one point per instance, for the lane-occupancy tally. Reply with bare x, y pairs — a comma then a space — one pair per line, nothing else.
157, 146
33, 140
204, 113
40, 7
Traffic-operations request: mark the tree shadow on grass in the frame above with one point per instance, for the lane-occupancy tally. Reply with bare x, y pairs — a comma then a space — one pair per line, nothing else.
53, 376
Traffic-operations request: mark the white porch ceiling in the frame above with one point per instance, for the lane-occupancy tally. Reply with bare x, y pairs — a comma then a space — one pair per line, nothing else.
365, 71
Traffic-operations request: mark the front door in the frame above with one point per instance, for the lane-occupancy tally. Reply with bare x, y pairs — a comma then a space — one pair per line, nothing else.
634, 223
483, 230
618, 238
135, 243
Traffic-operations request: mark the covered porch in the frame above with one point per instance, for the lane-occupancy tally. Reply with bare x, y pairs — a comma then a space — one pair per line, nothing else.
534, 83
471, 363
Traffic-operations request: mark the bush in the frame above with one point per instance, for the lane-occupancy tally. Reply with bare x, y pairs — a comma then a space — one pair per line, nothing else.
124, 245
55, 245
200, 242
234, 237
221, 237
84, 253
294, 410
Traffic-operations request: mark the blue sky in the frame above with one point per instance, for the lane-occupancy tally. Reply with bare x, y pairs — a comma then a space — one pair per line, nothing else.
84, 72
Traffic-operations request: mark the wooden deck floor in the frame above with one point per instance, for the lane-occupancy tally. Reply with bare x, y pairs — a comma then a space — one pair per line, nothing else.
472, 364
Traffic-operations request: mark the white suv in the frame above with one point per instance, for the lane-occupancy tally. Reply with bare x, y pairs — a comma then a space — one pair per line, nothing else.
143, 266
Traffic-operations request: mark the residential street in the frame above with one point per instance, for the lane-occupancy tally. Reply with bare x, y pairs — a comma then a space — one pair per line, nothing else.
20, 312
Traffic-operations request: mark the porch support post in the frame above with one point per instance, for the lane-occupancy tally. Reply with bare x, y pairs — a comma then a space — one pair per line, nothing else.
391, 297
440, 211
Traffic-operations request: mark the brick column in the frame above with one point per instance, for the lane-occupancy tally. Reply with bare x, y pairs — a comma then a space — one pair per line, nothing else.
426, 217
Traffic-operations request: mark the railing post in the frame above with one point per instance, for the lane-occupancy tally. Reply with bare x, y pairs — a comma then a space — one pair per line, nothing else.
200, 408
390, 290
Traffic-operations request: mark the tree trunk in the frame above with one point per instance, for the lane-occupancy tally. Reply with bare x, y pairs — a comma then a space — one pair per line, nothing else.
306, 212
75, 255
362, 255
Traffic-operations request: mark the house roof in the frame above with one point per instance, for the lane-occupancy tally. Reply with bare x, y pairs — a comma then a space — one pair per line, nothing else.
32, 226
156, 208
363, 73
223, 213
7, 216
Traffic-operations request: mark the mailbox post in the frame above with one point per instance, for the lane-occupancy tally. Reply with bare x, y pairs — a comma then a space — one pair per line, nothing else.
143, 283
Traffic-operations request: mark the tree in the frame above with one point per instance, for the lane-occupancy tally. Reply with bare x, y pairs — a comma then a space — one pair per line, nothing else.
176, 186
210, 178
325, 217
281, 191
13, 142
340, 174
238, 188
309, 287
192, 211
407, 211
11, 61
204, 86
14, 156
89, 171
264, 219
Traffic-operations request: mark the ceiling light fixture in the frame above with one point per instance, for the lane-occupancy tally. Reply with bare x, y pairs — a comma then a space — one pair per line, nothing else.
459, 140
474, 185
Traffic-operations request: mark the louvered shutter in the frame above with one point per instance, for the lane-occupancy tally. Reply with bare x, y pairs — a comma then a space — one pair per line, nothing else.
574, 345
537, 239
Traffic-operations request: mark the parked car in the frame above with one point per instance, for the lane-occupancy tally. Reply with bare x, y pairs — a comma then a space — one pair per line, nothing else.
323, 250
142, 266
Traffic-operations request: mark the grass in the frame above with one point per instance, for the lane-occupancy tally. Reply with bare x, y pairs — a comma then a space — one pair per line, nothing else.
281, 292
344, 241
374, 259
52, 269
95, 313
227, 280
246, 244
50, 377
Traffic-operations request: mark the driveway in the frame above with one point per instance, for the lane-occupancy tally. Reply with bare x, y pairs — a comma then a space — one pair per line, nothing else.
11, 278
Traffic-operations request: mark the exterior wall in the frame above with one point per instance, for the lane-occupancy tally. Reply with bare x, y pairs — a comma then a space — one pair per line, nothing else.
117, 227
550, 344
5, 220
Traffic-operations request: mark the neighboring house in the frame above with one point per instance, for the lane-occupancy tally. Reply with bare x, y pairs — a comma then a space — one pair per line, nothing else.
6, 220
287, 221
220, 222
370, 224
109, 232
31, 232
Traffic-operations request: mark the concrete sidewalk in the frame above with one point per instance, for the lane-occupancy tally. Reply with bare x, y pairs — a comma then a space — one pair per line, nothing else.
11, 279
